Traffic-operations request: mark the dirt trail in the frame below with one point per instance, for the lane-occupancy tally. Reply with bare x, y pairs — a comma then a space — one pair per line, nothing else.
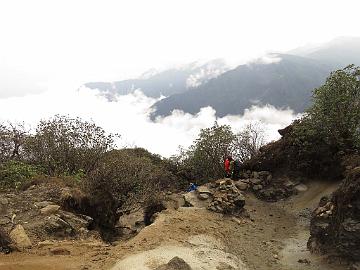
274, 238
295, 247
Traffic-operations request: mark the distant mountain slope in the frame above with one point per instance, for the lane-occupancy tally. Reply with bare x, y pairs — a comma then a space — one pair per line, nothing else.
339, 52
168, 82
287, 83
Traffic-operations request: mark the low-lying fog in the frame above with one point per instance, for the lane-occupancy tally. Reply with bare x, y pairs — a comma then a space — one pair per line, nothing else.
129, 116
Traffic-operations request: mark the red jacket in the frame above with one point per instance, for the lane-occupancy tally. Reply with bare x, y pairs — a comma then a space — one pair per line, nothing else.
227, 165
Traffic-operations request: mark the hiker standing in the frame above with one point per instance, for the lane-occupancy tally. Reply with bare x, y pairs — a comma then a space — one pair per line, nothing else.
227, 165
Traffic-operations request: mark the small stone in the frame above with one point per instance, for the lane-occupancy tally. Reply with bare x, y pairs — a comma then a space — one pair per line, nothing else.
59, 251
4, 201
203, 196
242, 185
42, 204
301, 188
204, 189
257, 187
45, 243
50, 209
4, 221
255, 181
236, 220
306, 261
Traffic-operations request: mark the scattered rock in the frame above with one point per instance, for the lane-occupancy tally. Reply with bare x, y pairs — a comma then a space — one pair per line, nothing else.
42, 204
227, 199
301, 188
59, 251
192, 200
242, 185
305, 261
203, 196
175, 263
65, 224
174, 201
236, 220
204, 189
50, 209
4, 201
4, 221
19, 237
272, 194
255, 181
355, 266
257, 187
45, 243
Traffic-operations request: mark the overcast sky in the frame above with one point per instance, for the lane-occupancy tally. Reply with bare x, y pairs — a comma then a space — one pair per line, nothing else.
49, 48
44, 42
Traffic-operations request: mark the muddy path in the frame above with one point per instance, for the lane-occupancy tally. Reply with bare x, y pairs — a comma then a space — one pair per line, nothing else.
274, 237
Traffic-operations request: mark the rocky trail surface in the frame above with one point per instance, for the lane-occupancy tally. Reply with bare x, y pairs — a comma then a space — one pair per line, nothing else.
274, 236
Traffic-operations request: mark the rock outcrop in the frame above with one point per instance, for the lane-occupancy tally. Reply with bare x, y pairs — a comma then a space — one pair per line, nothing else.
4, 241
335, 224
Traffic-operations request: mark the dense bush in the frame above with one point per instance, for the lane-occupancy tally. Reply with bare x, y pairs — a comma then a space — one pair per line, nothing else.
315, 144
64, 145
204, 160
15, 173
335, 113
12, 139
131, 176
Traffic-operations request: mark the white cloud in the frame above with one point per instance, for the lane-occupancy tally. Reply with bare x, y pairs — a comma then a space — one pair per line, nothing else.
129, 116
269, 58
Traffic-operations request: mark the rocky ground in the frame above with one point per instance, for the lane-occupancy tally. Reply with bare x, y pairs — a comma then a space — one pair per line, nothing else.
204, 235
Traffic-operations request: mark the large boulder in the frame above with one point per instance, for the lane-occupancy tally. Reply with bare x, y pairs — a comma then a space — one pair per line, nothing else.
19, 237
65, 224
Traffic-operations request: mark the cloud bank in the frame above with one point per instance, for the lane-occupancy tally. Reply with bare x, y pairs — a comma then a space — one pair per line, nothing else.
129, 116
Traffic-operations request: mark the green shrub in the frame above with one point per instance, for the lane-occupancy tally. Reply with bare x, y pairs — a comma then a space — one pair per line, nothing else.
64, 145
204, 160
131, 176
15, 173
335, 113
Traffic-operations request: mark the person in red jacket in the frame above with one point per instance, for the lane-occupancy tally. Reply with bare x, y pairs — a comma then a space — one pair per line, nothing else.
227, 166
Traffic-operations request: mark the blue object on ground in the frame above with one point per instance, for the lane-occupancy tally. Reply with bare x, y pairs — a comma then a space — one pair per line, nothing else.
192, 187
